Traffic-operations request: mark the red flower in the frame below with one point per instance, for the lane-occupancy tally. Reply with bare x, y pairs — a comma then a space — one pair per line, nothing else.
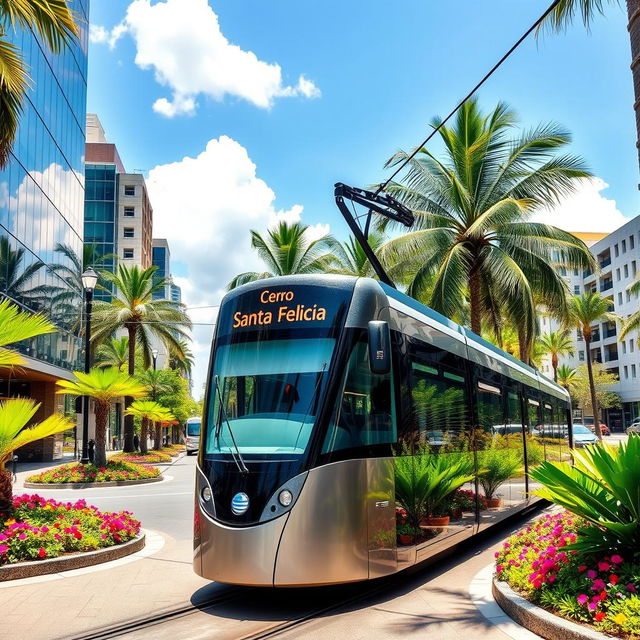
42, 552
614, 579
600, 616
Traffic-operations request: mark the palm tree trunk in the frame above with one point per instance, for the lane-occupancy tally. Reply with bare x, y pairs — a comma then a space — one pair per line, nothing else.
157, 441
144, 436
592, 388
523, 344
128, 420
6, 490
102, 416
554, 364
633, 10
474, 302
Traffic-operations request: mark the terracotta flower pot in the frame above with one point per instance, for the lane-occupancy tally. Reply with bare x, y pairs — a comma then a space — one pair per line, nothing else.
405, 539
435, 521
494, 503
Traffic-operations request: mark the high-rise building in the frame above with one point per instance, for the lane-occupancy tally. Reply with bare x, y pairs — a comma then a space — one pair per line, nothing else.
162, 262
118, 213
618, 258
41, 219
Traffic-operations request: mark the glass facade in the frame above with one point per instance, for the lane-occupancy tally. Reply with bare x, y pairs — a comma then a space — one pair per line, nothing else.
159, 260
42, 194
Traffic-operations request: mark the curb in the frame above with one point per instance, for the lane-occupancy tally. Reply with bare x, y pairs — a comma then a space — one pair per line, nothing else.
539, 620
76, 561
90, 485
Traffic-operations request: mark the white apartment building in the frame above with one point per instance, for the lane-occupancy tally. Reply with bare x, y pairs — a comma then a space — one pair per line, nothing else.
618, 256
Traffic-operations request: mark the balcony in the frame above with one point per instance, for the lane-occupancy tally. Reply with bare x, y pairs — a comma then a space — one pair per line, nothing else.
605, 262
610, 332
605, 286
610, 356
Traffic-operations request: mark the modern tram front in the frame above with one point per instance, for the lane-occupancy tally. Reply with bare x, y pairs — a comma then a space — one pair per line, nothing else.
266, 512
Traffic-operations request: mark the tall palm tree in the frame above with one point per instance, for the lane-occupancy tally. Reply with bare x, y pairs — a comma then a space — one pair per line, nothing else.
565, 375
17, 325
633, 321
585, 310
104, 386
14, 433
556, 344
567, 11
148, 411
351, 260
185, 362
113, 352
16, 278
55, 23
157, 383
289, 249
472, 237
134, 309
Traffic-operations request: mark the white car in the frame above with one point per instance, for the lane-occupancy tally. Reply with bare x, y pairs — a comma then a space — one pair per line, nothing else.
634, 427
192, 435
582, 436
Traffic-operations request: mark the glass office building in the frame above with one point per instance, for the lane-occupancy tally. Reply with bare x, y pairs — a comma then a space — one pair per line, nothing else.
160, 260
42, 207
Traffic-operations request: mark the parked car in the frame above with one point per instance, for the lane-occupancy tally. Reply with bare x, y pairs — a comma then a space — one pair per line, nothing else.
583, 436
634, 427
603, 428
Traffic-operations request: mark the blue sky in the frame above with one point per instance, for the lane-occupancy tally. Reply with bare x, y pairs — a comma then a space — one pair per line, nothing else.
382, 71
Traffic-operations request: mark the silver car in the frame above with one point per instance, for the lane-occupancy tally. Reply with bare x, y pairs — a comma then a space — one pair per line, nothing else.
583, 436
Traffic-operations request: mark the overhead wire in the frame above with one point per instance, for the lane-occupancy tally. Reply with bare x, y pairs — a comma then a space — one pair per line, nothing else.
493, 69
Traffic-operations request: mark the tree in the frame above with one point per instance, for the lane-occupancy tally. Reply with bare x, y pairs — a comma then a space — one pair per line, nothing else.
632, 323
16, 279
585, 310
289, 249
178, 399
104, 386
147, 411
157, 383
134, 309
54, 22
17, 325
113, 352
581, 389
472, 238
566, 12
14, 433
351, 260
184, 362
556, 344
565, 376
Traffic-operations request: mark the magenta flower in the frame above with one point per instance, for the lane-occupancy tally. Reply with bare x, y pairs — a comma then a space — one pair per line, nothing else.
604, 566
583, 599
616, 559
593, 606
631, 588
591, 574
598, 585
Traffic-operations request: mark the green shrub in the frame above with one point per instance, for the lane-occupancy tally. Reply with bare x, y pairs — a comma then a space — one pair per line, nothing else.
114, 470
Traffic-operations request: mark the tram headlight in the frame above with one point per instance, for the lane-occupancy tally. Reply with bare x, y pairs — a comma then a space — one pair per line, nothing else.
285, 498
206, 494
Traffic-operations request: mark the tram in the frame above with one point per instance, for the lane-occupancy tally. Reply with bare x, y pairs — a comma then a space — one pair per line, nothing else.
326, 396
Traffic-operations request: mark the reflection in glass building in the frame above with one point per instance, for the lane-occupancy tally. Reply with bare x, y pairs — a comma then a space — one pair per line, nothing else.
41, 216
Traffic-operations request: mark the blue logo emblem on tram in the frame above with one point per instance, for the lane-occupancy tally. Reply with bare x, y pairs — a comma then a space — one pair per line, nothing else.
239, 503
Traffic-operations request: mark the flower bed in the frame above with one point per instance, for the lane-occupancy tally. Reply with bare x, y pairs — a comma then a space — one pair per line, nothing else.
37, 529
600, 591
172, 451
115, 471
151, 457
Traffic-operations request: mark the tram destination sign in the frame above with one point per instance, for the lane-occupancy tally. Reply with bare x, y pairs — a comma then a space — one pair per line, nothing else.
282, 307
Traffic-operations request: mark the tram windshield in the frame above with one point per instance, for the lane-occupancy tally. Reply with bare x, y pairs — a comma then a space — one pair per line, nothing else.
270, 393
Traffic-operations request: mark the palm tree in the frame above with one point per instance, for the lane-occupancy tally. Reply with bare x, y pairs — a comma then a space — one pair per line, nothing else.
113, 352
14, 433
351, 260
289, 249
633, 321
472, 238
148, 411
157, 383
133, 308
54, 22
104, 386
565, 376
556, 344
567, 10
184, 363
16, 279
584, 310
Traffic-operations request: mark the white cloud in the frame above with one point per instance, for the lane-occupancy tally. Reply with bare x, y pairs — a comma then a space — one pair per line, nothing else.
585, 210
182, 42
99, 35
206, 207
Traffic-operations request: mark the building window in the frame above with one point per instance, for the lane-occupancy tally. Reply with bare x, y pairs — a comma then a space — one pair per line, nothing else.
624, 246
578, 334
581, 355
130, 212
631, 347
576, 289
63, 354
127, 254
632, 242
633, 370
628, 295
634, 268
620, 297
618, 274
129, 190
615, 250
624, 346
576, 272
128, 232
626, 371
626, 270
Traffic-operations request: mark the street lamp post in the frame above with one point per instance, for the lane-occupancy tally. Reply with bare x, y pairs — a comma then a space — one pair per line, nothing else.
154, 355
89, 281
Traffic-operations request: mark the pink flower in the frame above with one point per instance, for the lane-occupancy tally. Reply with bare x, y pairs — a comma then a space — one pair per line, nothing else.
582, 568
42, 553
3, 549
616, 559
598, 585
604, 566
499, 568
631, 588
583, 599
593, 606
591, 574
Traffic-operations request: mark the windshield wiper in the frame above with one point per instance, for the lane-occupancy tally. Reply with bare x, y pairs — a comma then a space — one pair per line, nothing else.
242, 467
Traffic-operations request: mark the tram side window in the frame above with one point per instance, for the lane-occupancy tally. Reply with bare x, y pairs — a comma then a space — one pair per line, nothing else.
366, 413
490, 411
533, 416
514, 412
439, 408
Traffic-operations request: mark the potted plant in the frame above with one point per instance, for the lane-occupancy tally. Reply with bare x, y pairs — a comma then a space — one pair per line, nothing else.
407, 534
496, 467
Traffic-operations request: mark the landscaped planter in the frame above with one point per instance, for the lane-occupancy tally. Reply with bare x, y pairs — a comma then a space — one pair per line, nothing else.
115, 473
90, 485
70, 561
